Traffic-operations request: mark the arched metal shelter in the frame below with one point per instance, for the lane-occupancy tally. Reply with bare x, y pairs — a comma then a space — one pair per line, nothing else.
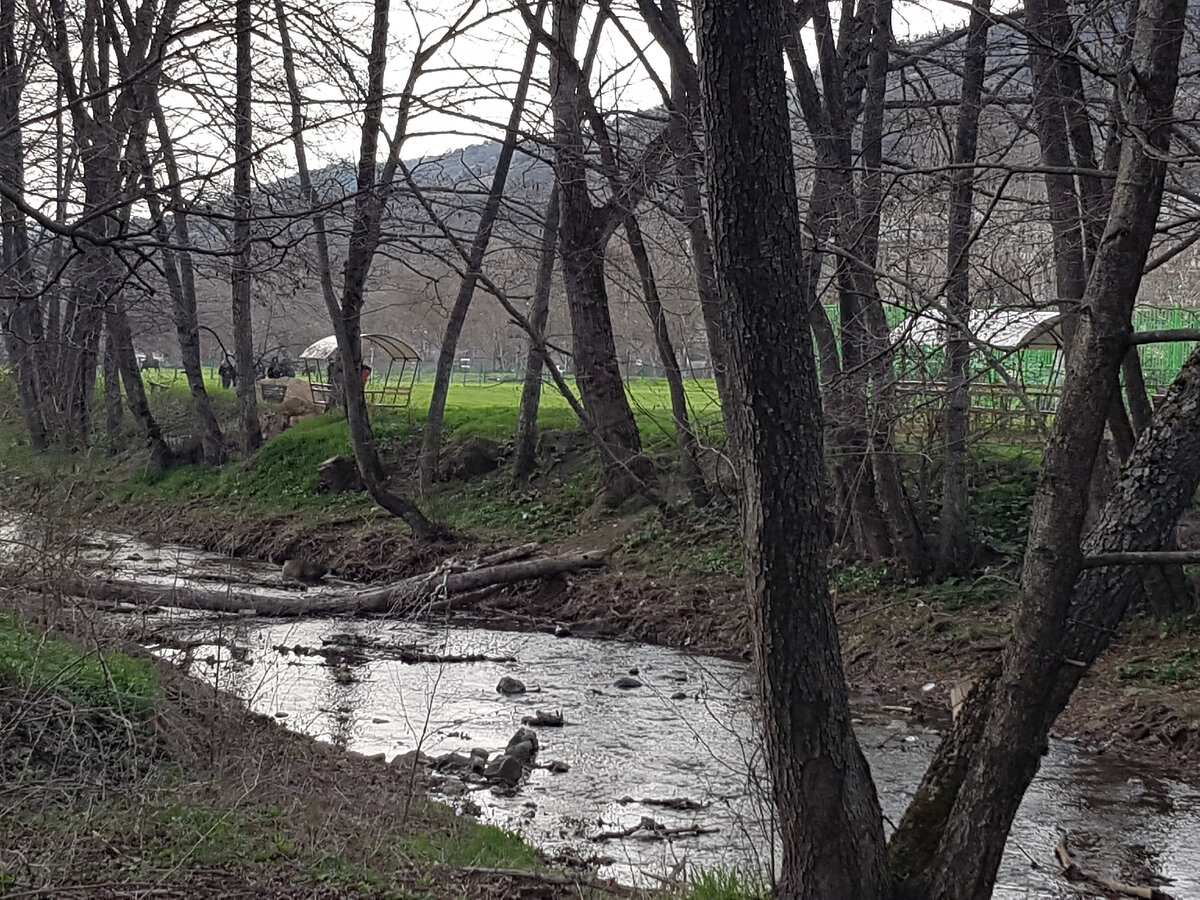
393, 389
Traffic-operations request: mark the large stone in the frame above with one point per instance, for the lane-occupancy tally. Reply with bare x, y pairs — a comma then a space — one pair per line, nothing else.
510, 685
627, 682
504, 768
522, 752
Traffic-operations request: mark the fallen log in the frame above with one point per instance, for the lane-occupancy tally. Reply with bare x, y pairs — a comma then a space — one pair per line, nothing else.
405, 596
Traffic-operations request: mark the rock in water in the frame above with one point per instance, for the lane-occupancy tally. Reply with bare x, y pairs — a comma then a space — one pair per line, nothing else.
510, 685
505, 768
305, 570
627, 682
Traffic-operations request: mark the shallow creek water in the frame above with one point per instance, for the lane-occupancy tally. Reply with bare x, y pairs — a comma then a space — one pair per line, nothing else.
623, 747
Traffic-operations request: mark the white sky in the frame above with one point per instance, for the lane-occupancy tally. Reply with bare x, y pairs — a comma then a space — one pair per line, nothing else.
623, 81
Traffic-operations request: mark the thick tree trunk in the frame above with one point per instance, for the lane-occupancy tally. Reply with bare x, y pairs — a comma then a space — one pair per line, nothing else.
525, 441
830, 822
240, 276
1014, 736
955, 553
448, 353
583, 235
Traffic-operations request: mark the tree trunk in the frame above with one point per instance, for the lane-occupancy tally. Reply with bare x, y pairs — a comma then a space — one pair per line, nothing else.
685, 438
369, 205
525, 442
23, 333
955, 553
582, 238
402, 596
1014, 737
114, 409
135, 389
831, 826
181, 282
904, 530
448, 354
240, 276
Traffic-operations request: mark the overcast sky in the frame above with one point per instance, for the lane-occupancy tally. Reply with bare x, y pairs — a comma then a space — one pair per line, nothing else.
625, 82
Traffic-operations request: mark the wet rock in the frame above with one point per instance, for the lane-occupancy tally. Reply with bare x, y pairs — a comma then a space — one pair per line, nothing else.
634, 671
510, 685
454, 788
504, 769
452, 761
412, 758
627, 683
378, 721
281, 715
544, 719
480, 752
679, 695
561, 631
522, 752
558, 767
525, 735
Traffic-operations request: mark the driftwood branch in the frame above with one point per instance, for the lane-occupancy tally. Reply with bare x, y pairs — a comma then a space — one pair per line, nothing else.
1073, 872
650, 830
407, 595
1142, 558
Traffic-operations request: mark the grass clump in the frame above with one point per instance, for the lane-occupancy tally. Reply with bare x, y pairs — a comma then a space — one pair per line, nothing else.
727, 884
1180, 670
39, 663
472, 845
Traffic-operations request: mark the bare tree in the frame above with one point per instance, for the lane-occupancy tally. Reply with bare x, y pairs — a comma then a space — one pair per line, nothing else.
955, 551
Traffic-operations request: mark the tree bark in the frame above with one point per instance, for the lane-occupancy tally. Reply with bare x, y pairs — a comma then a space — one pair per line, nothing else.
830, 821
583, 235
955, 553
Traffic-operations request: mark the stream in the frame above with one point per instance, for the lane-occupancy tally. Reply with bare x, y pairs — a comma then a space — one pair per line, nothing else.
686, 734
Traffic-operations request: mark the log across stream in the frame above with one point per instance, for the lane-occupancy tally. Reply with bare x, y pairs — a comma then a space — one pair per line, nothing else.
679, 750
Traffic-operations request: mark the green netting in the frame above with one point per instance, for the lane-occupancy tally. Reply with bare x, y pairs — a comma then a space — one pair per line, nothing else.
1036, 368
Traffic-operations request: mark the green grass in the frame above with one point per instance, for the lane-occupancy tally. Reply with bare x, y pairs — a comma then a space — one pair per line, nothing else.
727, 884
473, 845
86, 678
